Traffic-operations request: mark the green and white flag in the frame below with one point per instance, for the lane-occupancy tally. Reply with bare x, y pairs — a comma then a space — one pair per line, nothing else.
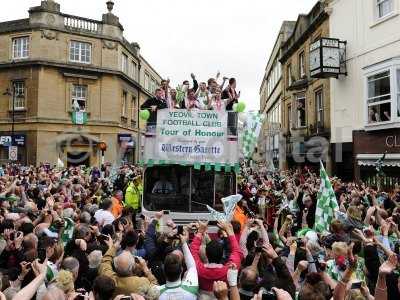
326, 204
68, 231
79, 117
250, 133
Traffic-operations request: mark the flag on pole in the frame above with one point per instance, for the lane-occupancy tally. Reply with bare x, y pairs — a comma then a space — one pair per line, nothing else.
250, 133
326, 203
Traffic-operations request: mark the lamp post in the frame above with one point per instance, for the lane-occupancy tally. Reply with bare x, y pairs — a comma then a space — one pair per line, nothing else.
103, 147
14, 95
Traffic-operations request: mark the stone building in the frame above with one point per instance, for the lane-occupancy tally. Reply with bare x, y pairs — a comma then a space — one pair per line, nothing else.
269, 145
305, 100
55, 67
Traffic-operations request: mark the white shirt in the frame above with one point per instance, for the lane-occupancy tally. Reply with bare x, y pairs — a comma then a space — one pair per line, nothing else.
104, 217
221, 108
186, 289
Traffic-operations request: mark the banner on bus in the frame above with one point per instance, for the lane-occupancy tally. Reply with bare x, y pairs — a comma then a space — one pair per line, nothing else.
191, 137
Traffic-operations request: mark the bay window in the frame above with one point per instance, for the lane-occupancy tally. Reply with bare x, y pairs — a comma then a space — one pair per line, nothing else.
398, 93
379, 97
382, 94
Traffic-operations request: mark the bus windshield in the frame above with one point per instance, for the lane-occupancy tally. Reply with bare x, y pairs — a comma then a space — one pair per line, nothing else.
184, 189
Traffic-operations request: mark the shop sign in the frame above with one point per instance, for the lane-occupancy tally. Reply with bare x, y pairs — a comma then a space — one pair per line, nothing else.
127, 139
13, 153
193, 137
393, 141
19, 140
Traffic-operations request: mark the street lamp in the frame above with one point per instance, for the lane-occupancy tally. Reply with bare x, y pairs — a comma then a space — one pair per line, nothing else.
103, 147
14, 95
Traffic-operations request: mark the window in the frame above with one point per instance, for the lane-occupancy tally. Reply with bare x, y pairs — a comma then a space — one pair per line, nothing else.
289, 117
124, 63
279, 72
124, 103
289, 75
19, 95
319, 102
379, 97
133, 70
384, 8
382, 94
146, 81
301, 110
153, 85
398, 93
79, 97
80, 52
133, 108
302, 65
20, 47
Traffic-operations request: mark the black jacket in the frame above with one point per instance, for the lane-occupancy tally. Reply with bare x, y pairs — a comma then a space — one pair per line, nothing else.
153, 114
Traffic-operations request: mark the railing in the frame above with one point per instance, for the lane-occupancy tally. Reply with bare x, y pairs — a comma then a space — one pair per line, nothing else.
81, 24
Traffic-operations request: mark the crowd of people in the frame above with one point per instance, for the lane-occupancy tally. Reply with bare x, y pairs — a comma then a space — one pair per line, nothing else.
77, 233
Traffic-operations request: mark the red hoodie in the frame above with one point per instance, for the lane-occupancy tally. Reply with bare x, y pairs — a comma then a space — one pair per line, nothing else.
208, 273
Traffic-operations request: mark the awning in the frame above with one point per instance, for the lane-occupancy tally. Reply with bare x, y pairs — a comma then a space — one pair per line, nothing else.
391, 160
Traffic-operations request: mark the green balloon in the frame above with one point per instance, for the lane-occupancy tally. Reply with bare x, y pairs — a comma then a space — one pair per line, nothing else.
144, 114
241, 106
235, 107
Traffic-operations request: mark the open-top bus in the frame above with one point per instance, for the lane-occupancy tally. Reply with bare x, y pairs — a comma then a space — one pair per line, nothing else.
190, 161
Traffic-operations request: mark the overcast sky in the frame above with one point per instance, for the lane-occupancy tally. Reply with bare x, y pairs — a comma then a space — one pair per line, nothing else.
178, 37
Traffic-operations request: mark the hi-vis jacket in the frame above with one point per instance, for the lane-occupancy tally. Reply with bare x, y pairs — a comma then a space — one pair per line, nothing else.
132, 195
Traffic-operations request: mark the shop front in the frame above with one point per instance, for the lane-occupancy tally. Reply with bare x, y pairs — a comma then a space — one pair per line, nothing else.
369, 148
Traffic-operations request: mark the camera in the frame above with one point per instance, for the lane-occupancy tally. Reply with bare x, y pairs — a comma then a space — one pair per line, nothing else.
320, 265
180, 229
299, 242
41, 255
268, 295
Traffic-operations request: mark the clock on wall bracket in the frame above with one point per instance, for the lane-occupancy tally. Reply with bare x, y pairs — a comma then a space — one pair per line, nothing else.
328, 58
